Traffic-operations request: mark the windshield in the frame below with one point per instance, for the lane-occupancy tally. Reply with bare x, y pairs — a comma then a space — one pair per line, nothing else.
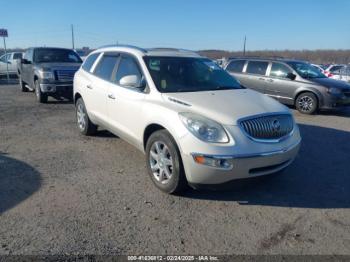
306, 70
49, 55
188, 74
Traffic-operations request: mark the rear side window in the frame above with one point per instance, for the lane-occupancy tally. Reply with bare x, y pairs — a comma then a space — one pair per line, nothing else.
106, 66
279, 70
127, 66
90, 60
236, 66
257, 67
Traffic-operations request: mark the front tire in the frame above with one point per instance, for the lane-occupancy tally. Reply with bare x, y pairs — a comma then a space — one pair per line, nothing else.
85, 126
307, 103
40, 96
164, 163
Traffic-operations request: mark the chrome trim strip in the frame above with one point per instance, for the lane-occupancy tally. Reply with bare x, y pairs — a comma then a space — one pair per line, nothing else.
253, 155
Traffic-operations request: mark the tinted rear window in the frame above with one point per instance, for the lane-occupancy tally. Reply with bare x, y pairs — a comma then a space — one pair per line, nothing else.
236, 66
90, 61
257, 67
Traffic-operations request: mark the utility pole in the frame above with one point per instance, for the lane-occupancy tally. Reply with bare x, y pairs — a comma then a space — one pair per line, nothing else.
244, 45
72, 36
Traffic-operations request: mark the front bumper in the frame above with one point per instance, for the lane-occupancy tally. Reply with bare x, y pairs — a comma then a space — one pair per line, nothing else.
57, 88
339, 101
247, 158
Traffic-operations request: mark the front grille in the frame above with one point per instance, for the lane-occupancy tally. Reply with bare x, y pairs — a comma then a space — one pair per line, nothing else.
65, 75
268, 127
347, 94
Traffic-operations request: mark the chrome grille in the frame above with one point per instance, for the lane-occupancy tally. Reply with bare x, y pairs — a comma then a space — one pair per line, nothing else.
65, 75
268, 127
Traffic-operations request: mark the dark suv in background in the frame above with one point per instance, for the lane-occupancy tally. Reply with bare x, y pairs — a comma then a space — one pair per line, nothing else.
292, 82
48, 71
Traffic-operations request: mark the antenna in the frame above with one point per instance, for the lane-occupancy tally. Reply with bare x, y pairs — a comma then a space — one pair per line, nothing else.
72, 29
244, 45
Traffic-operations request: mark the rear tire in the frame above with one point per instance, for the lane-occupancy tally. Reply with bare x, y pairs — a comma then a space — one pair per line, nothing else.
164, 163
40, 96
306, 103
85, 126
22, 85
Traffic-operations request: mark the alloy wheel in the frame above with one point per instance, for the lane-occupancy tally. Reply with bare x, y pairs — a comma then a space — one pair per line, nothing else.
161, 162
306, 103
81, 117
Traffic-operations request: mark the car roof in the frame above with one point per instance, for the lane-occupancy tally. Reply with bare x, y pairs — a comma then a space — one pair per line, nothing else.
158, 51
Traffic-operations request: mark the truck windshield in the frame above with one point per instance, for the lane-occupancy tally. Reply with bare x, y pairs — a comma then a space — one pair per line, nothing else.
188, 74
306, 70
49, 55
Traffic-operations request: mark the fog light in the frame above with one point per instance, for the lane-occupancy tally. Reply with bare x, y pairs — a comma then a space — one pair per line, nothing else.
214, 161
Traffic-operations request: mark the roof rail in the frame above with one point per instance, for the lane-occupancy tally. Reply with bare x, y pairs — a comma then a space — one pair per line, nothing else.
170, 49
128, 46
257, 57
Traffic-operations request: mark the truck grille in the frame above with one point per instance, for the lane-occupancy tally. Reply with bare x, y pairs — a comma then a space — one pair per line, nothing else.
65, 75
268, 127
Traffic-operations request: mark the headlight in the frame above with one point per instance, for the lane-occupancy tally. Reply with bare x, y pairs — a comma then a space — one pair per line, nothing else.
45, 74
203, 128
334, 91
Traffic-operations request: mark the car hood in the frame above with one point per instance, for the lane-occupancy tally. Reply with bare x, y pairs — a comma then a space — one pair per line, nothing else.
59, 66
328, 82
225, 106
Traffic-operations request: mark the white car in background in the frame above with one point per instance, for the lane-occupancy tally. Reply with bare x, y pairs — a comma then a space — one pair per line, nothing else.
344, 74
195, 123
9, 62
333, 70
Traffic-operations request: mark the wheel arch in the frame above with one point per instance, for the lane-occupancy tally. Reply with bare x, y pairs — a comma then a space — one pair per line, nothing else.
309, 90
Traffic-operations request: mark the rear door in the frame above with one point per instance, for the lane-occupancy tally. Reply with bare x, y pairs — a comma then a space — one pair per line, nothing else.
278, 85
256, 75
97, 86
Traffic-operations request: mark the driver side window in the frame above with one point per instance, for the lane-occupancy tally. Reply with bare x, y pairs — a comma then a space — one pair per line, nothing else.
279, 70
127, 66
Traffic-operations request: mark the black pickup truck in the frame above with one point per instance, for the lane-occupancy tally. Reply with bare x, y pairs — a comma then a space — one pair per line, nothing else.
48, 71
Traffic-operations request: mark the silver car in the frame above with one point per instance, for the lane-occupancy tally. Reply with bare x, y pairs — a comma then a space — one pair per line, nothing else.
194, 121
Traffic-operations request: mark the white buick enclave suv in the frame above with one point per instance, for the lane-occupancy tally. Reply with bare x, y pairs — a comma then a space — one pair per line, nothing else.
195, 123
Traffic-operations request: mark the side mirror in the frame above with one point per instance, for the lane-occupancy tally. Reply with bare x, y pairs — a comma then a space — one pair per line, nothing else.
291, 76
132, 81
25, 61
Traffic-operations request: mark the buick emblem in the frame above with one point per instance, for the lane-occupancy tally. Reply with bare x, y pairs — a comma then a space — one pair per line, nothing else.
276, 125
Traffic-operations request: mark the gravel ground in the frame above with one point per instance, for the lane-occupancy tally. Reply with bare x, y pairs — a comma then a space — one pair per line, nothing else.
62, 193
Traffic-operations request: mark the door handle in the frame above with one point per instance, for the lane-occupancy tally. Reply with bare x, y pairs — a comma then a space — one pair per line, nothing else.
111, 96
270, 80
89, 86
262, 79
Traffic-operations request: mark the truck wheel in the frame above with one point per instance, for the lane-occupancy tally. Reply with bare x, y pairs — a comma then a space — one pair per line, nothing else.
306, 103
164, 163
22, 85
40, 96
85, 126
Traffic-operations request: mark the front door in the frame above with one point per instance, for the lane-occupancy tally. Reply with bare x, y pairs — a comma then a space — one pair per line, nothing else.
278, 85
125, 103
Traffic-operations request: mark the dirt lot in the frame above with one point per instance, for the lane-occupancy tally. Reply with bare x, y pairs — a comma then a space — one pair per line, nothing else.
64, 193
